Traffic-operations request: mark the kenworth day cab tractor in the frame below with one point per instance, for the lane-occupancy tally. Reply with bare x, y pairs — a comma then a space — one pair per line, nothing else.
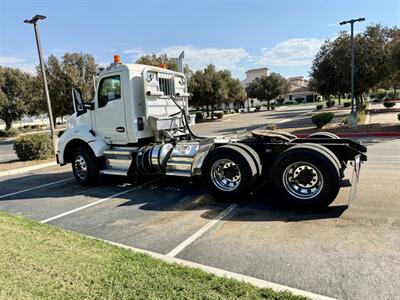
138, 124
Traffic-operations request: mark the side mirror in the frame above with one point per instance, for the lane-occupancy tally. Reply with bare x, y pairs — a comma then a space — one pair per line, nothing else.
79, 105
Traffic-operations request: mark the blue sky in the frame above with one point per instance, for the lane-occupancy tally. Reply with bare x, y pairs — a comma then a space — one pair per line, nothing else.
237, 35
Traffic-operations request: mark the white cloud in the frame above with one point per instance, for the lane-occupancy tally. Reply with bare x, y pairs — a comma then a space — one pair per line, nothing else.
18, 62
333, 25
198, 58
9, 60
289, 53
133, 51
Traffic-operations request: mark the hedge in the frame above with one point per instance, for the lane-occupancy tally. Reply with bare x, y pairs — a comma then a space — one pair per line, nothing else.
321, 119
219, 115
34, 147
389, 104
199, 116
330, 103
8, 133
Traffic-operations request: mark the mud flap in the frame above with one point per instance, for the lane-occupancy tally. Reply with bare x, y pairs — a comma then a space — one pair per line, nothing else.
354, 179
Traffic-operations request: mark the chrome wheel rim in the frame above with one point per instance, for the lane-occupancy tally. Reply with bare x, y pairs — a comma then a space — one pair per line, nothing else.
80, 167
303, 180
225, 175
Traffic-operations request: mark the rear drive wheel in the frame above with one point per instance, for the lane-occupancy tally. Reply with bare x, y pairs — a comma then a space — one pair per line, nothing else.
306, 178
85, 166
229, 172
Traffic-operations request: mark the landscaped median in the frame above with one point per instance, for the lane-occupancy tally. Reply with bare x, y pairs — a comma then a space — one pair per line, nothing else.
41, 261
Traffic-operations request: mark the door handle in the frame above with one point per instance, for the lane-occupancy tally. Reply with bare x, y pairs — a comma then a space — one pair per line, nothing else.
120, 129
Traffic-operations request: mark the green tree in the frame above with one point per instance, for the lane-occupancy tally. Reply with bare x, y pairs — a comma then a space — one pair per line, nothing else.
394, 61
74, 70
208, 88
267, 88
15, 94
236, 92
331, 66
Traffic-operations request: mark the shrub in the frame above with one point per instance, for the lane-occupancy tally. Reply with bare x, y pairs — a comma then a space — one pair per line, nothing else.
219, 115
380, 94
272, 106
398, 116
347, 104
330, 103
345, 119
8, 133
258, 107
364, 106
35, 127
299, 100
60, 133
199, 116
392, 95
320, 106
389, 104
270, 127
280, 101
321, 119
33, 147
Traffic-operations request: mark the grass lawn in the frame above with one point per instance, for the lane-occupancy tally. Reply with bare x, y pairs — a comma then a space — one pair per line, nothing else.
42, 262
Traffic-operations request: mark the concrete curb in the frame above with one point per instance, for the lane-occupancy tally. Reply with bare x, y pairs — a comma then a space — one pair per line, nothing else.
358, 134
27, 169
220, 272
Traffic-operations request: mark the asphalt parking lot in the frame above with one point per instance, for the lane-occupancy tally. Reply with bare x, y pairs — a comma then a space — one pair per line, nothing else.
345, 253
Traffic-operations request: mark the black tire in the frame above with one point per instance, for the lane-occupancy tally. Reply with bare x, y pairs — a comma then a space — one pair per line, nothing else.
327, 151
242, 162
86, 156
320, 166
323, 135
341, 164
254, 155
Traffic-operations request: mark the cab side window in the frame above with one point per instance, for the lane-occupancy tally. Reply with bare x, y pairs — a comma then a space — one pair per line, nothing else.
109, 90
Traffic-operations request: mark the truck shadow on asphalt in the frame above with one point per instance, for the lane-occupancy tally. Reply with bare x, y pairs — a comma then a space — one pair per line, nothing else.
169, 194
189, 194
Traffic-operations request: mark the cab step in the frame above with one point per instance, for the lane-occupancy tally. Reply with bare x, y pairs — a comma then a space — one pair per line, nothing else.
115, 172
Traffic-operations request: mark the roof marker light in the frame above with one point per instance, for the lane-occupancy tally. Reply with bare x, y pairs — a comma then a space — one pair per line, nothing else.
117, 59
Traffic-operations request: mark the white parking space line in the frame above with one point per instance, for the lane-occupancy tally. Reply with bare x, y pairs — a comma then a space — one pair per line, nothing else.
99, 201
200, 232
35, 187
291, 119
220, 272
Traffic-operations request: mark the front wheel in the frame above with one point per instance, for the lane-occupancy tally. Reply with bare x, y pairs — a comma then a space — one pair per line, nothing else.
85, 166
306, 177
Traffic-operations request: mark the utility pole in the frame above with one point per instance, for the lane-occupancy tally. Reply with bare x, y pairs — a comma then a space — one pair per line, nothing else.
34, 21
352, 120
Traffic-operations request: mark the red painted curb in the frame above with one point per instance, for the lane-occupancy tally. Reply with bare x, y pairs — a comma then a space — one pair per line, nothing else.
358, 134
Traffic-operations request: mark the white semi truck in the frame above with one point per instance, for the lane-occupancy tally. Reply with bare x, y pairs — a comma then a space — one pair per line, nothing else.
138, 124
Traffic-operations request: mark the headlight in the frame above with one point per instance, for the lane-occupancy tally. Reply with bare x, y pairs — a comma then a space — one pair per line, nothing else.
149, 76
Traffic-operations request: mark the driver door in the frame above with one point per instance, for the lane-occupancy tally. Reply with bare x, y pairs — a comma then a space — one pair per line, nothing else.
110, 121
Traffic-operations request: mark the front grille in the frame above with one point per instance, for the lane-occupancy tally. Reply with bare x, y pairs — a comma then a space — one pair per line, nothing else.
167, 85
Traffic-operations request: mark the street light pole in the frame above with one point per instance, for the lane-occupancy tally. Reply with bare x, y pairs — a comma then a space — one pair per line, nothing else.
352, 122
45, 87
